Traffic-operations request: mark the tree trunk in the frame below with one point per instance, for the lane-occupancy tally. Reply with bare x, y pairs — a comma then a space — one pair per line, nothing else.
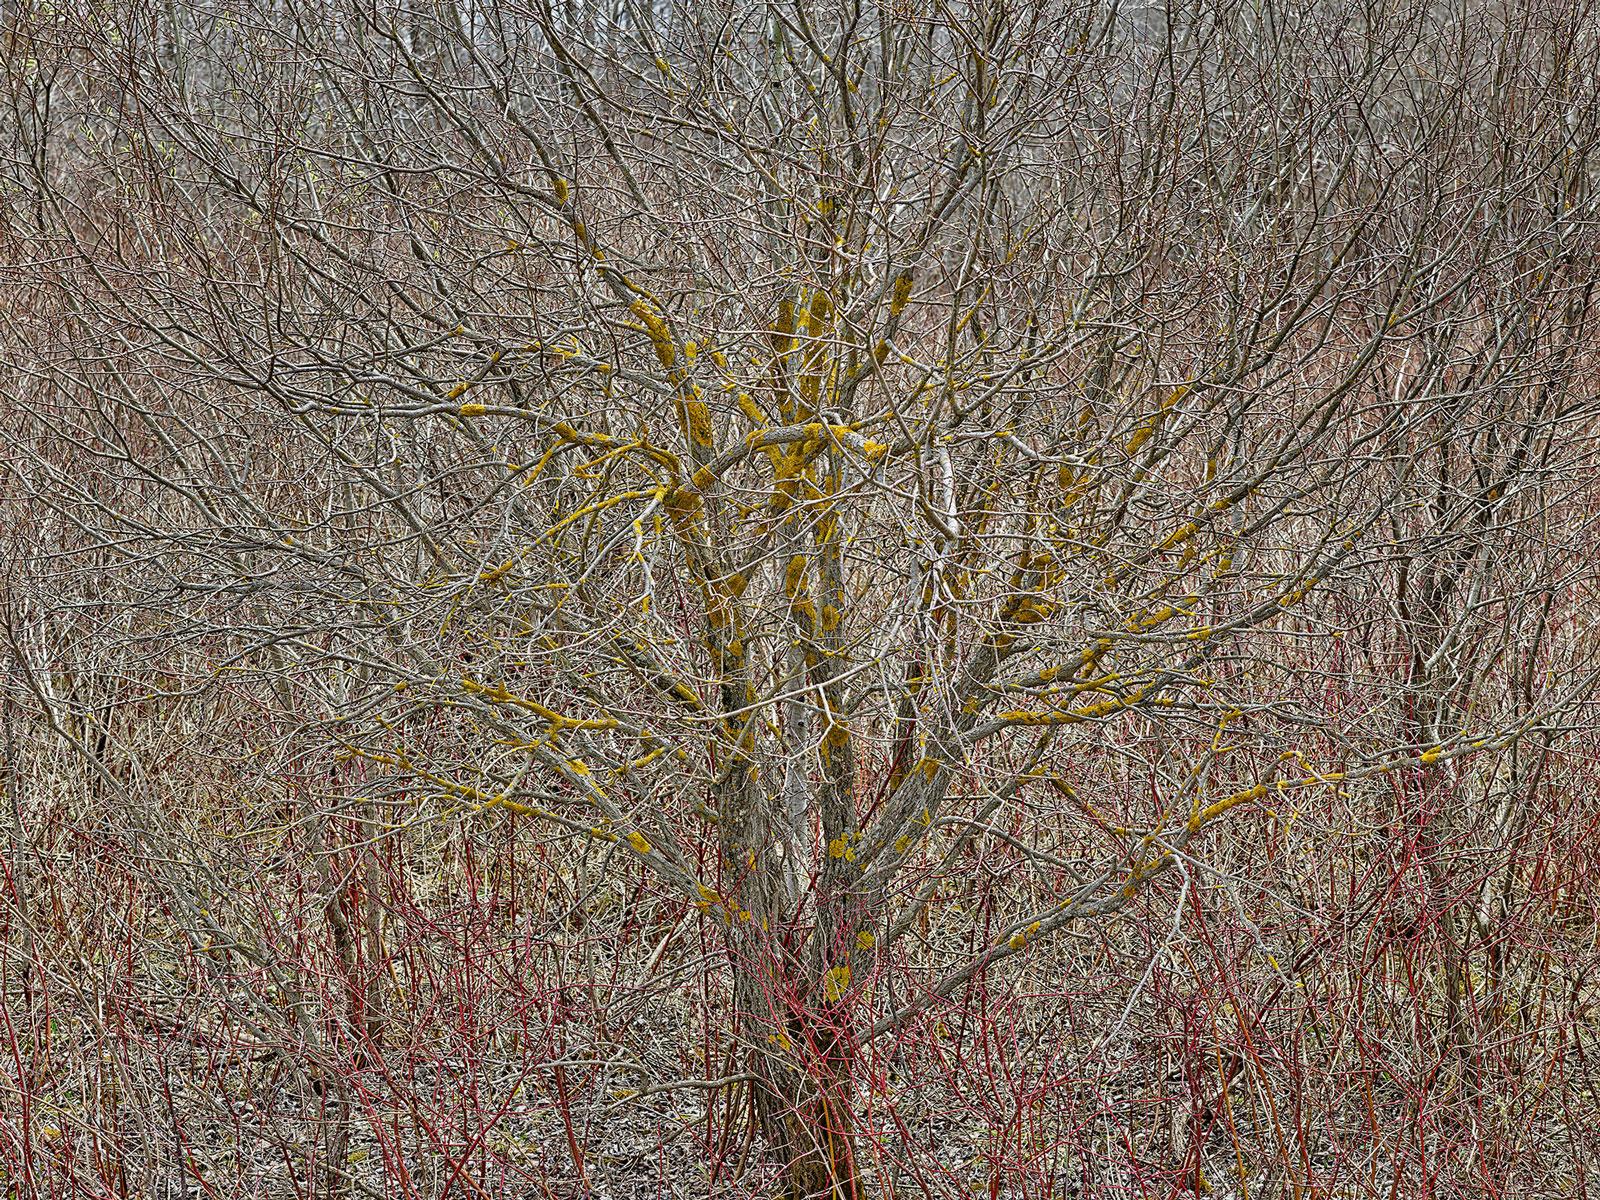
804, 1099
808, 1118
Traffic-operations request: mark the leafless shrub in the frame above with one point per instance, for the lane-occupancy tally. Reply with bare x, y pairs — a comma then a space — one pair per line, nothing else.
858, 599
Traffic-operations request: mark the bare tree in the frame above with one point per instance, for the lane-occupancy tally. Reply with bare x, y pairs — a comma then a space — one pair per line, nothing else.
817, 456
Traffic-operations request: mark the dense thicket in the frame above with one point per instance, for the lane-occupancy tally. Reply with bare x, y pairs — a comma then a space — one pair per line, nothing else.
893, 599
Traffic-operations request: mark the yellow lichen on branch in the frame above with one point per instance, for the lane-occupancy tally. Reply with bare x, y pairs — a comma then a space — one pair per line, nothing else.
1023, 936
656, 330
901, 295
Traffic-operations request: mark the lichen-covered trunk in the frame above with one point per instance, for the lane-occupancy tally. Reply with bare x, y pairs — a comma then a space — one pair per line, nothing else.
804, 1102
821, 1145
